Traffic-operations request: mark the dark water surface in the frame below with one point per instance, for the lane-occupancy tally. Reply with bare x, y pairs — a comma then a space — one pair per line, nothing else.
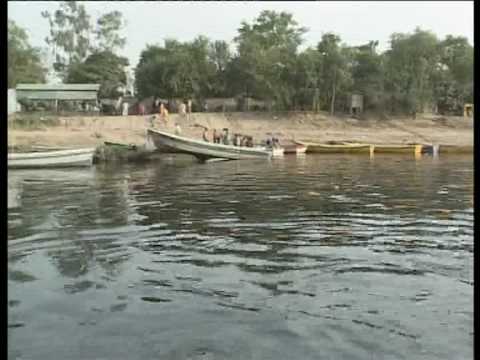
320, 257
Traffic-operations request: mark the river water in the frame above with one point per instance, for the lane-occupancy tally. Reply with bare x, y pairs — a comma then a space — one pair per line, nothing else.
316, 257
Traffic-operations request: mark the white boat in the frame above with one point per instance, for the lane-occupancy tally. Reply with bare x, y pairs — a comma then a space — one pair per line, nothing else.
294, 149
203, 150
277, 152
46, 159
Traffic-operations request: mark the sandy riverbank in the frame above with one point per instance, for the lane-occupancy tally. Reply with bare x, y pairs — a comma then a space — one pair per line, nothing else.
92, 131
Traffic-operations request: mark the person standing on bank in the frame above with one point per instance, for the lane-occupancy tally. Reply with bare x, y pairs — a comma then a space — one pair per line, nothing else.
205, 135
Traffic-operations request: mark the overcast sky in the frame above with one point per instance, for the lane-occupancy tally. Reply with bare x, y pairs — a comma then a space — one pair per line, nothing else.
356, 22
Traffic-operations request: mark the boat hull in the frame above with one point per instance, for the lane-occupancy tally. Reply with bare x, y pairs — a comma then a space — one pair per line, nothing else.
337, 148
51, 159
455, 149
398, 149
200, 149
294, 149
277, 152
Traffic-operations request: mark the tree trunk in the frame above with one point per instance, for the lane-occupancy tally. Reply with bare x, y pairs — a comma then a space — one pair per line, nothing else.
332, 104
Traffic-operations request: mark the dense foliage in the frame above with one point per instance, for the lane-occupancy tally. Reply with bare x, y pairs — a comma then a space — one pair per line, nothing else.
419, 72
24, 63
104, 68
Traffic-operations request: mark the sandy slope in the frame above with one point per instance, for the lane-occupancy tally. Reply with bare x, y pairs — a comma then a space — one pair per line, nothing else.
88, 131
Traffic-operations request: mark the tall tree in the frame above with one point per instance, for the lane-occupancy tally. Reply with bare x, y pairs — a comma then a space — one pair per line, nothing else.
367, 74
24, 62
334, 63
454, 85
107, 32
410, 67
219, 56
73, 37
69, 38
180, 70
308, 80
267, 51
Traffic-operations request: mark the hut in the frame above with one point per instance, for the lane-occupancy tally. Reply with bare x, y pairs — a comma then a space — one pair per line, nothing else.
356, 104
55, 93
468, 110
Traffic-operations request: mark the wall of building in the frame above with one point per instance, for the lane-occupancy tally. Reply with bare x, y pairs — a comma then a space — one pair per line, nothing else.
12, 101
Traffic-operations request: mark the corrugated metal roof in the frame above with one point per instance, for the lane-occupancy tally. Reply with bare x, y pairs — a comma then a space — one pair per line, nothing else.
59, 87
56, 95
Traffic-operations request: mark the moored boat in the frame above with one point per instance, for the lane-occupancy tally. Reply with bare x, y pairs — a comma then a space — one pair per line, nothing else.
277, 151
201, 149
455, 149
47, 159
294, 149
398, 148
336, 148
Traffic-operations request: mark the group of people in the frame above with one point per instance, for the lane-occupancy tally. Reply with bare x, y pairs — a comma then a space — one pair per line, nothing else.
224, 138
272, 142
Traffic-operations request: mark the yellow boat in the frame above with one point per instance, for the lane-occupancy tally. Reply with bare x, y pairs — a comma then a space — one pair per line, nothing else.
398, 149
337, 148
455, 149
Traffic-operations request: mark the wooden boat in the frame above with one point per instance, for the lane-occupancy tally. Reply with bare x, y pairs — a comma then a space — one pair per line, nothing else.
398, 148
120, 145
201, 149
336, 148
455, 149
294, 149
45, 159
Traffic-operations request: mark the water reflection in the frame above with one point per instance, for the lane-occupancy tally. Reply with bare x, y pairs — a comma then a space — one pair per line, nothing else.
301, 253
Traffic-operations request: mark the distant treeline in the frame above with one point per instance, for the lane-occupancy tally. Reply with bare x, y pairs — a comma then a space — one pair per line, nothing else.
419, 72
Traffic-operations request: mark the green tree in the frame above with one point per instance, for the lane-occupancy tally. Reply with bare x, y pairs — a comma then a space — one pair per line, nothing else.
73, 38
367, 75
454, 80
335, 67
267, 51
104, 68
179, 70
219, 56
107, 32
307, 80
24, 64
410, 67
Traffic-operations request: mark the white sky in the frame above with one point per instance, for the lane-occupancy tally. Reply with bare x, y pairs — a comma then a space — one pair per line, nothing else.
357, 22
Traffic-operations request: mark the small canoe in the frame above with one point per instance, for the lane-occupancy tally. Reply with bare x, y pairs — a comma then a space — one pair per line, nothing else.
336, 148
398, 149
120, 145
201, 149
47, 159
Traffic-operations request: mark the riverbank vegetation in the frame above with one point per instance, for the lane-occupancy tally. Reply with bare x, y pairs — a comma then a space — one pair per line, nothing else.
266, 61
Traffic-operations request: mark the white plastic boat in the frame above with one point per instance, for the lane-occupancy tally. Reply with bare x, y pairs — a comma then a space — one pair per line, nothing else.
47, 159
